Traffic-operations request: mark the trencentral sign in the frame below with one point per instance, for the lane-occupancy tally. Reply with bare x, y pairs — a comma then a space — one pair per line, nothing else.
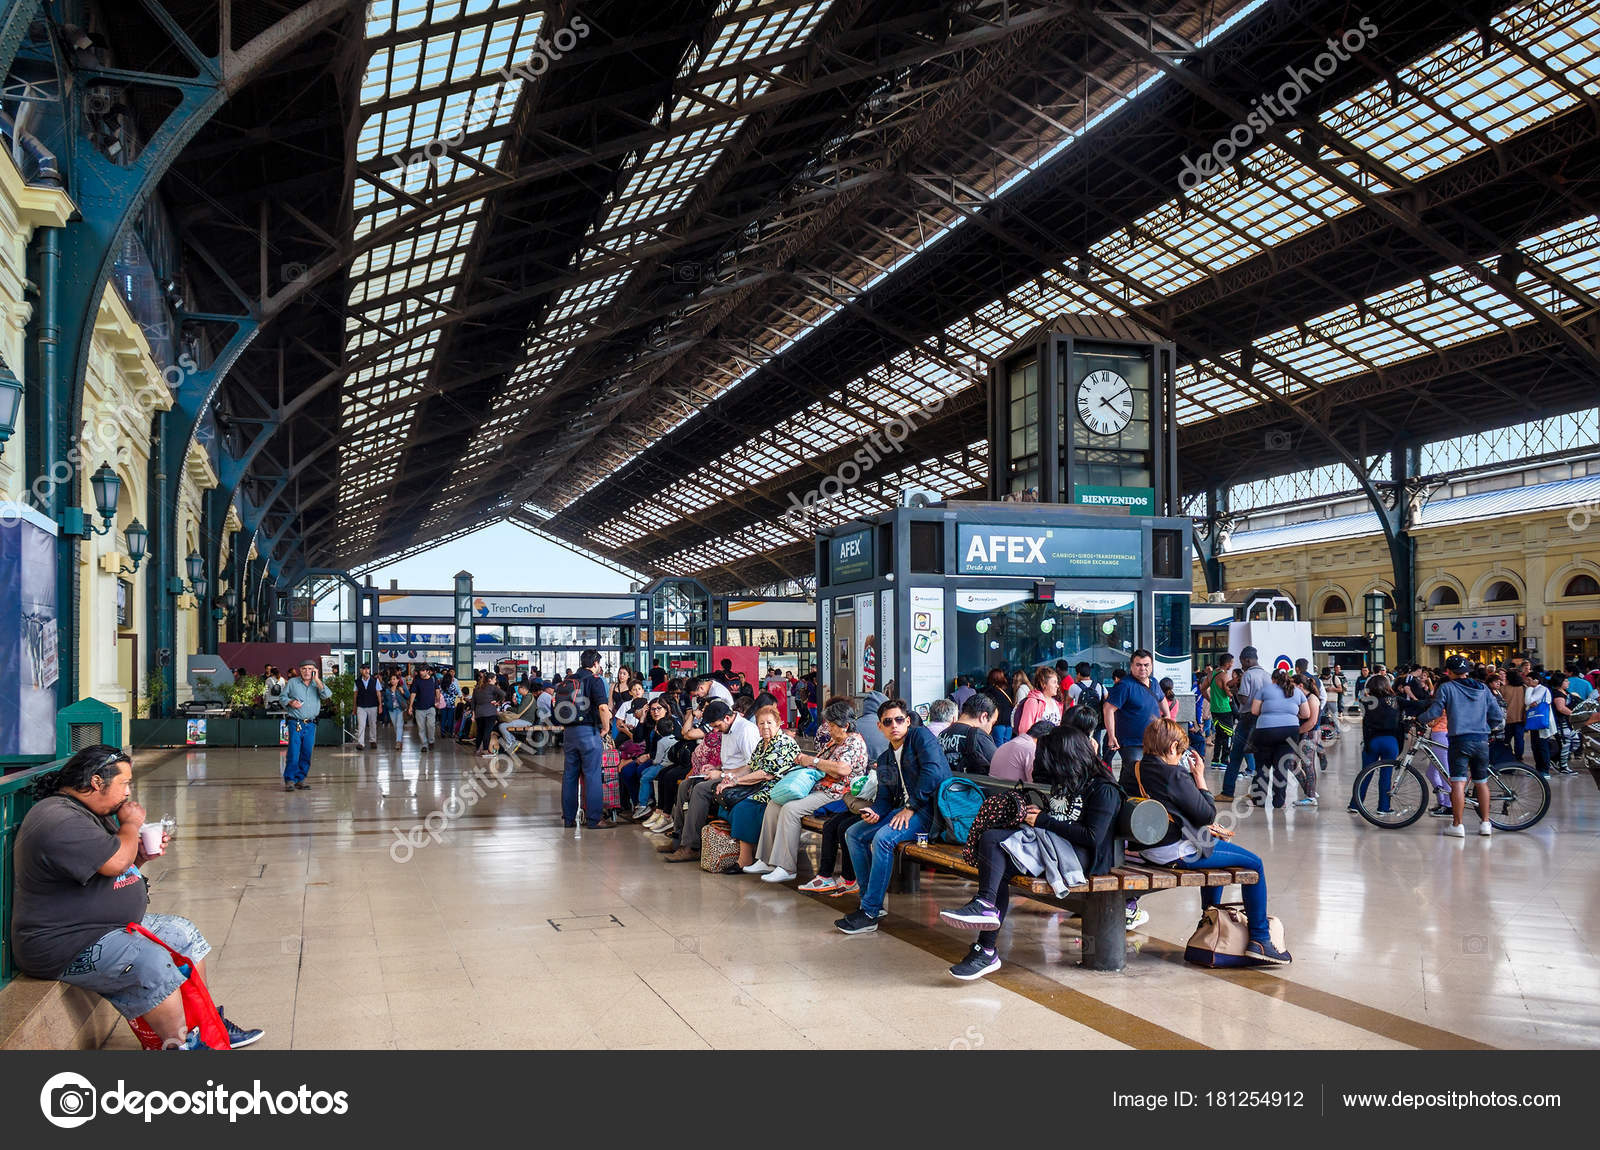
1066, 552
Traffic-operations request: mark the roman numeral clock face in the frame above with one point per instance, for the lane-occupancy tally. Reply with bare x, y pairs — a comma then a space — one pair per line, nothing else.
1105, 402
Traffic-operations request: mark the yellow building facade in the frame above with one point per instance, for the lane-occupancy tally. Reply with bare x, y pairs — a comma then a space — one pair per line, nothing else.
124, 389
1537, 565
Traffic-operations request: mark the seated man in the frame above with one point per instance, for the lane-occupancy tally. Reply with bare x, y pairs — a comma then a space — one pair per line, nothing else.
968, 742
909, 775
78, 885
519, 719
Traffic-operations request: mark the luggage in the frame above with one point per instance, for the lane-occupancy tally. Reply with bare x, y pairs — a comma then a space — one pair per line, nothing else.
1222, 935
719, 851
611, 780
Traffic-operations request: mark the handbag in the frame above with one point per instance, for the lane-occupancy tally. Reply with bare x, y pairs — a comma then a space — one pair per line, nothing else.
1001, 810
866, 787
198, 1009
738, 793
1538, 718
794, 785
719, 852
1223, 934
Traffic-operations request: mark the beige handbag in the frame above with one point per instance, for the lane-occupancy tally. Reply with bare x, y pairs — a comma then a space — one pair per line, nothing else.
719, 851
1223, 934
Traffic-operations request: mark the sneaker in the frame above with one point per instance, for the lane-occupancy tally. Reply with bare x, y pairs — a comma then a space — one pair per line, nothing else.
1267, 954
980, 914
857, 922
238, 1037
757, 867
978, 963
641, 812
1306, 802
1455, 831
882, 913
1442, 812
1485, 828
848, 886
778, 874
821, 884
1137, 917
302, 785
288, 786
660, 824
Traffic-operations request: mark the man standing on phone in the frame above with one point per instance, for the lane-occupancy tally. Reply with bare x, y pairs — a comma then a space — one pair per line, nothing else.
302, 700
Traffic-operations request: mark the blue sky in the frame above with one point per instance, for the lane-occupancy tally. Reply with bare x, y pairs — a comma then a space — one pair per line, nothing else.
502, 558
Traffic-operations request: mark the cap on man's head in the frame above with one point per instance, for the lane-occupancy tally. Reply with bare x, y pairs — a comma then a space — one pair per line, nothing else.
716, 711
1250, 653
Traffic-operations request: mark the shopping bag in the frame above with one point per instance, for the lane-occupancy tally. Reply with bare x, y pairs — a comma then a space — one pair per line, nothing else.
198, 1009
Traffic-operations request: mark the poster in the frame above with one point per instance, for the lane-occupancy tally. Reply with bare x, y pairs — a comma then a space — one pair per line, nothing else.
28, 637
866, 647
886, 652
825, 644
927, 647
196, 734
283, 732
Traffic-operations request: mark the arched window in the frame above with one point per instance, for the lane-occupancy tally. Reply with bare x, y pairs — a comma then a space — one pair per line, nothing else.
1335, 605
1444, 596
1582, 585
1502, 592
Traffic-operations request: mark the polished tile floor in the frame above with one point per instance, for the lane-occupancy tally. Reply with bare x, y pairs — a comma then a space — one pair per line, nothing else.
338, 927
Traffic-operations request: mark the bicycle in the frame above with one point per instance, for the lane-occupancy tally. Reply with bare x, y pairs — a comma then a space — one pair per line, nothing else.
1518, 797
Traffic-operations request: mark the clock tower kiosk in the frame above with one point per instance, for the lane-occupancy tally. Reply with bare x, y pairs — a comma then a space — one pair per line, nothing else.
1082, 412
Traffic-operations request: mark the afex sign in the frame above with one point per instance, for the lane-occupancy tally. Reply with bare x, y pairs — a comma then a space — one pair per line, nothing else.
1070, 552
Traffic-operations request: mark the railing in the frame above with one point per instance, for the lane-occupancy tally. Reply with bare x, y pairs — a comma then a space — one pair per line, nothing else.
15, 800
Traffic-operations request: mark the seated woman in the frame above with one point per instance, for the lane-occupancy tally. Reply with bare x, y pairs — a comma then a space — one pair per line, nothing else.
842, 758
639, 763
1083, 806
1192, 842
775, 756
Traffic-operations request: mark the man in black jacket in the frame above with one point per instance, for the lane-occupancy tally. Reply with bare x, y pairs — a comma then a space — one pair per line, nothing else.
909, 776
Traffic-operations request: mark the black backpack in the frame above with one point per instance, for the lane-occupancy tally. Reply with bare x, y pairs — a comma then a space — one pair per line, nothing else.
1090, 696
569, 704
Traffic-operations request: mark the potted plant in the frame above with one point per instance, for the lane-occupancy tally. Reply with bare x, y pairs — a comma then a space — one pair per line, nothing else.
341, 705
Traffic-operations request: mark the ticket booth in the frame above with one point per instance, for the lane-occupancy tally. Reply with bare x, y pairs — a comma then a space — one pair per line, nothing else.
914, 597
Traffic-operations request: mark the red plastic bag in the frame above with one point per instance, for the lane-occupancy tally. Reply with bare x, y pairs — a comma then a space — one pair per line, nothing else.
198, 1009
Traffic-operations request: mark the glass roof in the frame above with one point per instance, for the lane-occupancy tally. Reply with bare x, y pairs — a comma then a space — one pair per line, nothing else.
1262, 203
432, 88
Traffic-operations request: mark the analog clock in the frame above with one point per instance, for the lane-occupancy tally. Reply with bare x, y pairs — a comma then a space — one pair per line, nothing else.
1105, 402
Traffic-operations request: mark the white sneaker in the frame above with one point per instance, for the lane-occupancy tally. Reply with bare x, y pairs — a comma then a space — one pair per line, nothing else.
653, 823
1485, 828
1138, 918
1455, 831
778, 874
757, 867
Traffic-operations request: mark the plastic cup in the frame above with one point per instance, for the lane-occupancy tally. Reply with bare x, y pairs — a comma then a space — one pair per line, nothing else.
150, 838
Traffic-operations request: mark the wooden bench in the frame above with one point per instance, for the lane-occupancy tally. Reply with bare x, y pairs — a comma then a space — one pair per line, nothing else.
1101, 900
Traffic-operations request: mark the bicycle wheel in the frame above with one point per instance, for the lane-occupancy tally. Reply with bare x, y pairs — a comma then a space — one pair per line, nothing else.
1409, 795
1518, 798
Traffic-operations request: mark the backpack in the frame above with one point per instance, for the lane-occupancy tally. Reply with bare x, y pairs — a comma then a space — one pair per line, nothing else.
564, 708
1091, 696
958, 804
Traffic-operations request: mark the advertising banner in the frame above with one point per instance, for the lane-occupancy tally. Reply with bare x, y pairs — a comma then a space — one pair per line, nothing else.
927, 647
1063, 552
28, 638
850, 557
866, 650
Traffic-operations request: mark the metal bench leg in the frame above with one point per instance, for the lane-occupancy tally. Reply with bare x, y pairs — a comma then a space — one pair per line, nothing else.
1105, 931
